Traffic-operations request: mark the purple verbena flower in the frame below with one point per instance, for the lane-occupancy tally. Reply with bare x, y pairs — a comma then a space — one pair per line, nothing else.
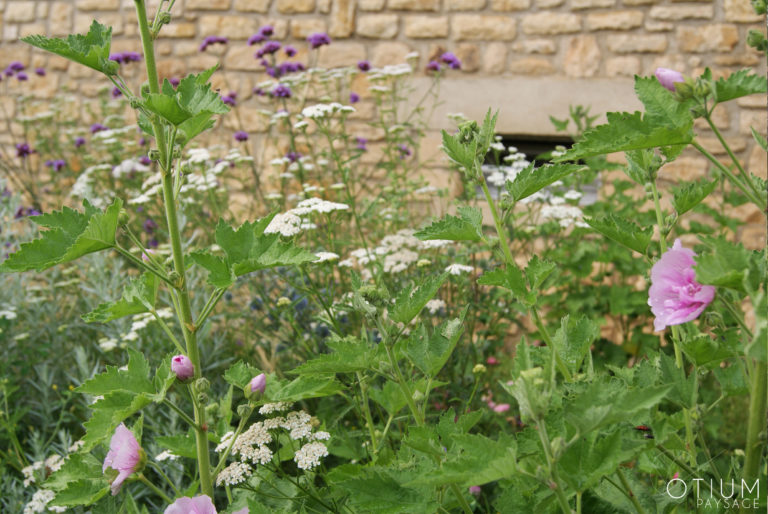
241, 135
433, 66
289, 67
259, 91
23, 149
97, 127
57, 164
451, 60
40, 72
404, 150
290, 51
270, 47
174, 81
16, 66
230, 99
212, 40
146, 161
116, 93
354, 97
363, 65
293, 156
674, 296
149, 226
125, 57
281, 91
142, 141
318, 39
21, 76
263, 33
79, 141
361, 142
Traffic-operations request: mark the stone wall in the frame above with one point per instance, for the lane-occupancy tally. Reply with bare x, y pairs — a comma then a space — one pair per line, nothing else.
529, 58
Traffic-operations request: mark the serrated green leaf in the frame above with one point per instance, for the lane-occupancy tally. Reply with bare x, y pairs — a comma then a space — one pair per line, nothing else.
463, 154
537, 272
573, 340
109, 412
532, 179
487, 132
760, 139
641, 164
70, 235
741, 83
430, 352
190, 128
684, 388
189, 103
183, 445
624, 132
349, 356
77, 466
592, 457
725, 266
622, 231
688, 196
660, 105
240, 374
303, 388
91, 50
465, 227
81, 492
138, 296
510, 278
134, 379
409, 302
219, 273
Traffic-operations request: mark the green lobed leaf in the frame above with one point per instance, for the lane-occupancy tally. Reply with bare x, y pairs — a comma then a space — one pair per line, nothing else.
77, 466
641, 164
91, 50
302, 388
725, 266
467, 226
183, 445
81, 492
109, 412
193, 102
592, 457
573, 340
348, 356
134, 379
688, 196
532, 179
487, 132
622, 231
624, 132
71, 234
139, 296
240, 374
463, 154
430, 352
510, 278
660, 105
409, 302
741, 83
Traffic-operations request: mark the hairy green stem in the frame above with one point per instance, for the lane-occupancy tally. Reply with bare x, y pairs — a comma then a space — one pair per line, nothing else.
728, 173
367, 412
629, 493
547, 445
185, 311
757, 421
181, 413
154, 488
743, 172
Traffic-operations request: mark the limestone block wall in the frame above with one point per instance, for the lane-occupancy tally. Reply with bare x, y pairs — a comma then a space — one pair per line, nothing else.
529, 58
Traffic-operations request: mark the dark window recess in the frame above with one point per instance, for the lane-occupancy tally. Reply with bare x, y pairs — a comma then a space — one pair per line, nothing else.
532, 146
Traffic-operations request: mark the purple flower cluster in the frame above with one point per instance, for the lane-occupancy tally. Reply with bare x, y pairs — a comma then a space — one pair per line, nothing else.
281, 91
16, 68
146, 161
79, 141
363, 65
241, 135
149, 226
293, 156
268, 48
57, 164
116, 93
404, 151
361, 142
26, 211
23, 149
289, 50
125, 57
451, 60
174, 81
212, 40
40, 72
284, 69
97, 127
318, 39
354, 97
230, 99
263, 33
433, 66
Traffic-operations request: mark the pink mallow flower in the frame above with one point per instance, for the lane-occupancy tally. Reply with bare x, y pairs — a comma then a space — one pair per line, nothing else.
198, 505
125, 456
501, 407
668, 77
183, 367
475, 489
259, 384
674, 296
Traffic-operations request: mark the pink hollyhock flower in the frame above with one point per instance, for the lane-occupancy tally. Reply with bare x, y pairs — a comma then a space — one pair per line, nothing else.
502, 407
183, 367
475, 489
668, 77
124, 455
674, 296
198, 505
259, 384
244, 510
491, 361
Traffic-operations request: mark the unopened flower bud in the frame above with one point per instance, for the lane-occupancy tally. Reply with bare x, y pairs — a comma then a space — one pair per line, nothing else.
668, 77
154, 154
182, 367
283, 301
258, 384
135, 102
243, 410
165, 17
122, 218
202, 385
202, 398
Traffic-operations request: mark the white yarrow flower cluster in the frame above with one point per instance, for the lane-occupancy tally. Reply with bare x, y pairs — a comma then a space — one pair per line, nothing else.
459, 269
320, 111
398, 250
565, 215
308, 456
233, 474
434, 305
39, 502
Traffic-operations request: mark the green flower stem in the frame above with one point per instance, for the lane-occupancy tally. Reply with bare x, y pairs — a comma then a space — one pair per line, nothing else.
181, 413
138, 262
628, 491
367, 412
757, 200
209, 306
152, 486
547, 445
548, 339
743, 172
185, 311
160, 472
757, 421
690, 442
497, 221
240, 427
